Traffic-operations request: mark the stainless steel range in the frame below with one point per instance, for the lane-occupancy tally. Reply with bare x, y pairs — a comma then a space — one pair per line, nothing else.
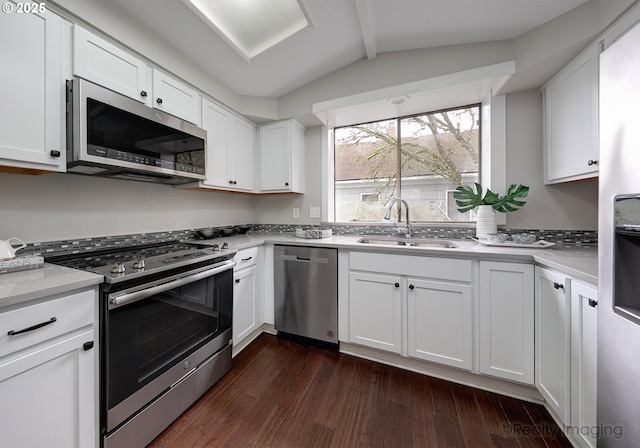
165, 333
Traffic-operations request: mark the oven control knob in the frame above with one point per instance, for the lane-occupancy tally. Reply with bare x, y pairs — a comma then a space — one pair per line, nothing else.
138, 264
118, 268
225, 245
215, 247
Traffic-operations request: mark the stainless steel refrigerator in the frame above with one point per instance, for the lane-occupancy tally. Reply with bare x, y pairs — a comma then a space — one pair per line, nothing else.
619, 245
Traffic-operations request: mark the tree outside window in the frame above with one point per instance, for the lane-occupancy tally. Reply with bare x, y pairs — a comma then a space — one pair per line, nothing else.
421, 159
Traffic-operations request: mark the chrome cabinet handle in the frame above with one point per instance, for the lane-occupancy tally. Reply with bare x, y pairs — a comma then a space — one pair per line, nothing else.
34, 327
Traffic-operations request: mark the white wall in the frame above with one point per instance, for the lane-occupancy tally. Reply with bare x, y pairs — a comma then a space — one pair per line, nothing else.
572, 206
65, 206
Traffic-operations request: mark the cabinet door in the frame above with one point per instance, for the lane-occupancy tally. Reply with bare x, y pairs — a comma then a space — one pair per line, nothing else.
571, 120
375, 310
175, 98
217, 122
242, 154
48, 396
245, 310
584, 330
32, 91
275, 165
507, 321
552, 303
103, 63
439, 324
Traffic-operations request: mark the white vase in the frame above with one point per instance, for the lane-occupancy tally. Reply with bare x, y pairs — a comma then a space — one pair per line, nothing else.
485, 221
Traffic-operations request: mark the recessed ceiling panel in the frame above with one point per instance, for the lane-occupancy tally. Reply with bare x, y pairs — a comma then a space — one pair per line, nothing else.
251, 26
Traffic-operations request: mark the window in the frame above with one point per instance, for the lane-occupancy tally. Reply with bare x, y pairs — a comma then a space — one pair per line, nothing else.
421, 159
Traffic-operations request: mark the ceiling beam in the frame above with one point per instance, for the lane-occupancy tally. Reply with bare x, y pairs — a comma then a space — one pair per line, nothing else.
365, 18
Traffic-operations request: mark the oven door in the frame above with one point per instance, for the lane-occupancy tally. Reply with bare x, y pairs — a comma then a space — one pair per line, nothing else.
156, 334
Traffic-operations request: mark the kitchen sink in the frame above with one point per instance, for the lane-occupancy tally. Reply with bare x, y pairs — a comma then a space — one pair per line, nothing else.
414, 242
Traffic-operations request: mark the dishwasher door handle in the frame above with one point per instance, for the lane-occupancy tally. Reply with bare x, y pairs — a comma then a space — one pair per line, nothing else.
298, 259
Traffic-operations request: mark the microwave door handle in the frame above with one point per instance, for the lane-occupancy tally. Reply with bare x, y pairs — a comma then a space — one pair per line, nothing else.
120, 299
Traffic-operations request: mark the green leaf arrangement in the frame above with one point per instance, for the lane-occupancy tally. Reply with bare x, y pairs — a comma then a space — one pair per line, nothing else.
468, 199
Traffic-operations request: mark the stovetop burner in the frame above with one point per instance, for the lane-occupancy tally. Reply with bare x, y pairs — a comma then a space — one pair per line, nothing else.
137, 261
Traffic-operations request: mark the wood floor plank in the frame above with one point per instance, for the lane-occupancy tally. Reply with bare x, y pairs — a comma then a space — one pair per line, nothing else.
473, 429
521, 423
551, 433
493, 416
282, 394
423, 429
443, 403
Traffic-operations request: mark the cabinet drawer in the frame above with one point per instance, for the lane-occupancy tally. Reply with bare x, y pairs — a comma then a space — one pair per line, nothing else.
426, 267
71, 312
246, 257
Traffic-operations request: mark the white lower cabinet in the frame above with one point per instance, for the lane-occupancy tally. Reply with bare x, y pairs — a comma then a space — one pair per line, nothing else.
553, 321
584, 330
440, 322
245, 307
48, 396
375, 311
48, 359
394, 306
507, 321
248, 312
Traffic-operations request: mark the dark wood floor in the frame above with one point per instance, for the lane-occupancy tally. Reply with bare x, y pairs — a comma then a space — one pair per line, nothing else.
282, 394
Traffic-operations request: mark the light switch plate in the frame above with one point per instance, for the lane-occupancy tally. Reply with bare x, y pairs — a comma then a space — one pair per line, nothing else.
314, 212
296, 212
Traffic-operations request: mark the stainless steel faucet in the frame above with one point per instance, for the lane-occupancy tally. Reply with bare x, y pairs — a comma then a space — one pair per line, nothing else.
387, 215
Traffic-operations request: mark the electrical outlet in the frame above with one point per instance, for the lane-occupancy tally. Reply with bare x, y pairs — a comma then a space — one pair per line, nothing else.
314, 212
296, 212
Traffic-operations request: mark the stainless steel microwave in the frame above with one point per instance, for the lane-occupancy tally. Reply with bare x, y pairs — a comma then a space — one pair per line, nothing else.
111, 135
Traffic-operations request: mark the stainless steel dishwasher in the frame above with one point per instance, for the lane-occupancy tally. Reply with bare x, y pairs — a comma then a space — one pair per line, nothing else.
306, 293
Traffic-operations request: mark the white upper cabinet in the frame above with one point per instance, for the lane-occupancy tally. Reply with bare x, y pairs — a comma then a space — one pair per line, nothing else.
281, 155
105, 64
175, 97
32, 90
571, 120
230, 149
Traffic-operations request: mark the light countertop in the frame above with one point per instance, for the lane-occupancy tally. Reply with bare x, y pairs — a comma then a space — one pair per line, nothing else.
579, 262
23, 286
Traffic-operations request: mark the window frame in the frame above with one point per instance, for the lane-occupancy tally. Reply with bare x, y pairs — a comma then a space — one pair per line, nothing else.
398, 187
493, 157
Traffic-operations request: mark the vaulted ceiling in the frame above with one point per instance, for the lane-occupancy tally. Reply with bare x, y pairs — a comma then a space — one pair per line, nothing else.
343, 31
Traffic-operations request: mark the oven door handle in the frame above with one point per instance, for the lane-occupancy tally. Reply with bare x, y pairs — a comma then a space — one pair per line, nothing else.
120, 299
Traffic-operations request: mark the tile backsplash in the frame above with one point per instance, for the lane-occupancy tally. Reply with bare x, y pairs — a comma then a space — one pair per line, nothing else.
85, 245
